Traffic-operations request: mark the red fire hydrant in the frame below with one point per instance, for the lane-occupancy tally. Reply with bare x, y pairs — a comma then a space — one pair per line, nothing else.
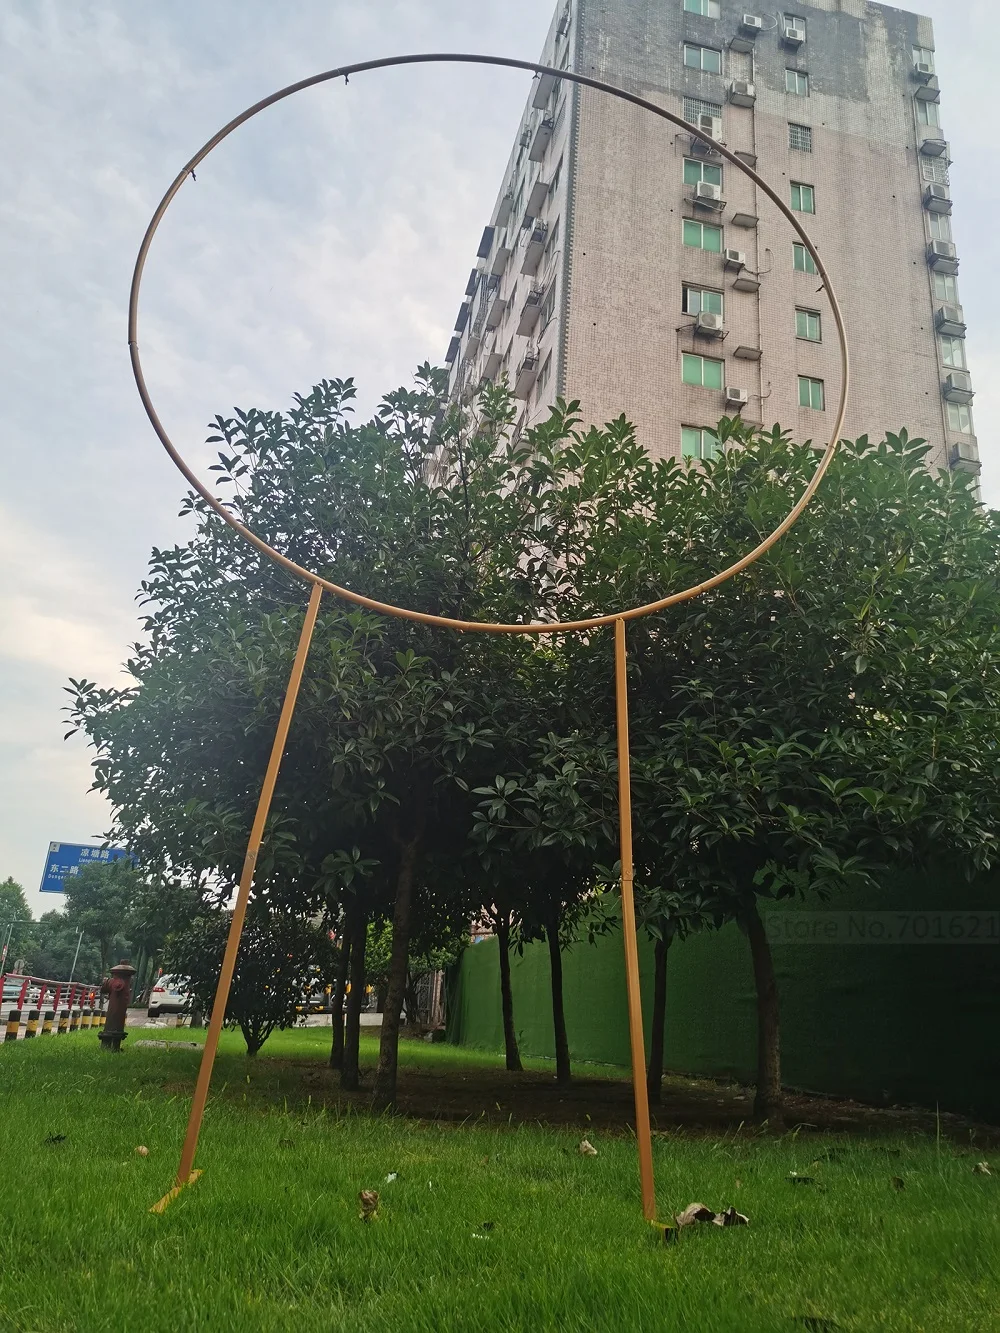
118, 989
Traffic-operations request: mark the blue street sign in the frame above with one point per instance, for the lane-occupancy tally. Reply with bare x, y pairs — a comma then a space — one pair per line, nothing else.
66, 859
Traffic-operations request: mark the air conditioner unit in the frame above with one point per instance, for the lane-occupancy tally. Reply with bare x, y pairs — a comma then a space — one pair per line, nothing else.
736, 397
958, 387
709, 324
711, 127
742, 93
794, 33
735, 258
751, 23
704, 192
922, 70
937, 199
950, 320
964, 451
941, 250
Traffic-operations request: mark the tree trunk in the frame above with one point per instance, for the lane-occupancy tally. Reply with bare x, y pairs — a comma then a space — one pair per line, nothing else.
768, 1102
337, 999
563, 1072
350, 1071
654, 1071
384, 1093
506, 995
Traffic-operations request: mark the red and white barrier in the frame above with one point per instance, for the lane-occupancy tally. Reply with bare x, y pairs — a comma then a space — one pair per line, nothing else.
38, 1006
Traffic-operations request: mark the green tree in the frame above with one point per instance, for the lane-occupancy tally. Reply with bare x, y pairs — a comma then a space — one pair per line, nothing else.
99, 900
282, 960
55, 949
15, 920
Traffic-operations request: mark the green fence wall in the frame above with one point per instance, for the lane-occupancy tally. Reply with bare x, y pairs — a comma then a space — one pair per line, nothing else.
898, 1023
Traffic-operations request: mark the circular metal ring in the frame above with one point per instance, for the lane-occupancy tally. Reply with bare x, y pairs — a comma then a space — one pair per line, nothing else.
424, 617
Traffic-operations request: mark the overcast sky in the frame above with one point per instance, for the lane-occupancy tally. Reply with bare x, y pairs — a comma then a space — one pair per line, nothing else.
332, 236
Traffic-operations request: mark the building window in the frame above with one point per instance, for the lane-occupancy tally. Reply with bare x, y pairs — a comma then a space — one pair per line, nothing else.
928, 113
708, 9
794, 21
803, 198
802, 260
703, 236
543, 378
699, 442
960, 418
935, 169
556, 177
703, 371
811, 393
940, 225
807, 325
953, 352
549, 307
705, 58
800, 137
695, 172
946, 288
553, 239
922, 55
694, 107
701, 300
797, 81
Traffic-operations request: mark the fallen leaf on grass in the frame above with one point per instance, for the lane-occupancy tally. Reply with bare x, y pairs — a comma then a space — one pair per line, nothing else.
393, 1175
55, 1138
368, 1200
142, 1150
586, 1148
982, 1169
697, 1212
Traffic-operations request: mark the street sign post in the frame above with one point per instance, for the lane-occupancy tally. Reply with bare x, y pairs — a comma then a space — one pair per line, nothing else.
66, 859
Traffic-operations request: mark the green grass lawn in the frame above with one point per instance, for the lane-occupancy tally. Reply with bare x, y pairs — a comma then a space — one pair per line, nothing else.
270, 1237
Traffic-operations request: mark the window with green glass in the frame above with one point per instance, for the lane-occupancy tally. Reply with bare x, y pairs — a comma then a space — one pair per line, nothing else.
803, 198
953, 352
699, 300
960, 418
695, 172
946, 287
703, 236
940, 226
802, 260
703, 371
807, 325
811, 393
705, 58
797, 81
708, 9
928, 113
699, 442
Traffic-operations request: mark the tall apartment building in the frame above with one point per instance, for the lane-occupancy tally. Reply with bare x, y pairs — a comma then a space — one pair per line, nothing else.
627, 264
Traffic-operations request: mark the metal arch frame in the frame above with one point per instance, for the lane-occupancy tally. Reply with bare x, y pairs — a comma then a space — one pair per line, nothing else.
186, 1174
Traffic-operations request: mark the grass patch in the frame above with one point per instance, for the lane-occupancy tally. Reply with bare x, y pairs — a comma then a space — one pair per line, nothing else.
270, 1238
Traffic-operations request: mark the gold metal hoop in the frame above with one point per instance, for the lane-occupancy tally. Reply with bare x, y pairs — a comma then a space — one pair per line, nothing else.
447, 622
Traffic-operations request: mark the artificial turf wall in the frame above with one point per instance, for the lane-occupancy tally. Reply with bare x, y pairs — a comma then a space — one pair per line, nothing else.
907, 1023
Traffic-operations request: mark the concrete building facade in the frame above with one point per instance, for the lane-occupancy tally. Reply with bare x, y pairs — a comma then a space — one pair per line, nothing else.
627, 265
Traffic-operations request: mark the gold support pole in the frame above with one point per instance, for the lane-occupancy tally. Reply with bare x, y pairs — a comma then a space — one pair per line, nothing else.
643, 1138
185, 1172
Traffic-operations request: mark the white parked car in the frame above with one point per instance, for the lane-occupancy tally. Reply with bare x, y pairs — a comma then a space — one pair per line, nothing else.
169, 996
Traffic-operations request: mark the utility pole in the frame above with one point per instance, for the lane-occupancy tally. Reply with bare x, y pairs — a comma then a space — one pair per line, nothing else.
79, 941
